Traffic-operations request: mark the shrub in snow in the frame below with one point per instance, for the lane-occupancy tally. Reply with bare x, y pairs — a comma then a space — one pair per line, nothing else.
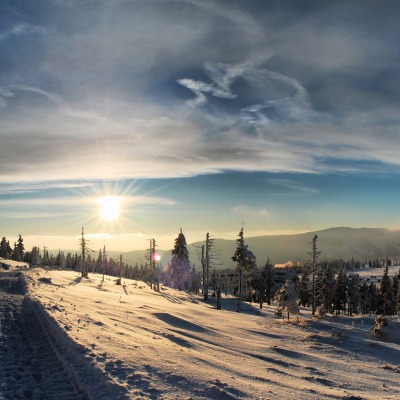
320, 312
380, 322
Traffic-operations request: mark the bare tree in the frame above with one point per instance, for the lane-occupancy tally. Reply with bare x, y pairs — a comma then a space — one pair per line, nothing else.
104, 261
84, 244
314, 253
119, 280
207, 259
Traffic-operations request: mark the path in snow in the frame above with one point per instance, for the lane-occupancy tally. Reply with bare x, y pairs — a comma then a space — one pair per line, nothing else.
29, 369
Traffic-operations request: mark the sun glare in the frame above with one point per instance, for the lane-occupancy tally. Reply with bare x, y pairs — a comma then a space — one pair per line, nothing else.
109, 207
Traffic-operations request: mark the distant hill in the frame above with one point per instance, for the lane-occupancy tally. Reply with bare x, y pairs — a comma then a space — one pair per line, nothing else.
334, 243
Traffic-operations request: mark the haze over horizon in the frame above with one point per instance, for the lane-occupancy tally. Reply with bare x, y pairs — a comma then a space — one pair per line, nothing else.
135, 118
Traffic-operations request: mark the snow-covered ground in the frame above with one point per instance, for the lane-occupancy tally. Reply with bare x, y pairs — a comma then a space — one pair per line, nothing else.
172, 345
13, 264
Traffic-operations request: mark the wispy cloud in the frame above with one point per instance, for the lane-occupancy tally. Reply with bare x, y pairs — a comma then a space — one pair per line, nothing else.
31, 187
21, 29
201, 87
83, 200
295, 187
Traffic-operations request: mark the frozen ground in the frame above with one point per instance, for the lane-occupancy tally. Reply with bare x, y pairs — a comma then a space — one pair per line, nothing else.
128, 342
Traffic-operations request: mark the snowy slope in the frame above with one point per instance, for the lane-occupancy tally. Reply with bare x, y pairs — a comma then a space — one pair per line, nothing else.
128, 342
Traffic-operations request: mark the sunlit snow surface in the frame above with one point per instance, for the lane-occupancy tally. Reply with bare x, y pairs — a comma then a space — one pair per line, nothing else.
172, 345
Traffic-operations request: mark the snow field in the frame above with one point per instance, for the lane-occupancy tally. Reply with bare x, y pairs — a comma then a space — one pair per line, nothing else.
128, 342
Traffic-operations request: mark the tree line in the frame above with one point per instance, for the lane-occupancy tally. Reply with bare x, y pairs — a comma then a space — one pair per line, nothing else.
325, 287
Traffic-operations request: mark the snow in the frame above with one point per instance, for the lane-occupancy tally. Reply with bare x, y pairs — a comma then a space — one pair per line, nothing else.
129, 342
13, 264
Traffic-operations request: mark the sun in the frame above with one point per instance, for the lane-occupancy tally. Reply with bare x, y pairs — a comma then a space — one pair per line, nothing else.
109, 207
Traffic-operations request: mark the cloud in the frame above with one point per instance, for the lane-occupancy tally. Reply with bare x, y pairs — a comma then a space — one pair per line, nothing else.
73, 201
21, 29
295, 187
104, 236
32, 187
200, 87
106, 94
246, 209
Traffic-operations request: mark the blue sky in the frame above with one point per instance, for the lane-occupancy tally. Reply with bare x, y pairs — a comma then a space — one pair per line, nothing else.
279, 116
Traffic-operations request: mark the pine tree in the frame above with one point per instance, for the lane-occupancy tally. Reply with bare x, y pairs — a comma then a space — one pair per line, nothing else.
3, 248
287, 298
99, 263
386, 299
35, 256
46, 257
395, 285
364, 298
84, 253
195, 280
245, 264
398, 301
314, 253
327, 289
341, 290
9, 250
15, 253
180, 264
266, 283
372, 298
304, 290
20, 247
353, 291
60, 259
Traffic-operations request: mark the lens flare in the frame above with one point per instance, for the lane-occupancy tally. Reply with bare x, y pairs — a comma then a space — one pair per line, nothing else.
156, 257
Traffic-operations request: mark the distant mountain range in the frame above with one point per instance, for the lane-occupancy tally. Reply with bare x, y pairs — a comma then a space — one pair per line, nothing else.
334, 243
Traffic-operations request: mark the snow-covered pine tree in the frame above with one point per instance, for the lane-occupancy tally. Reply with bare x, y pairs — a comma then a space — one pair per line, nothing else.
180, 264
20, 247
287, 298
3, 248
245, 264
386, 299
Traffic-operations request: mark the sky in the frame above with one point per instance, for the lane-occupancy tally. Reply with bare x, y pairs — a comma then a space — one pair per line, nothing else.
274, 116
